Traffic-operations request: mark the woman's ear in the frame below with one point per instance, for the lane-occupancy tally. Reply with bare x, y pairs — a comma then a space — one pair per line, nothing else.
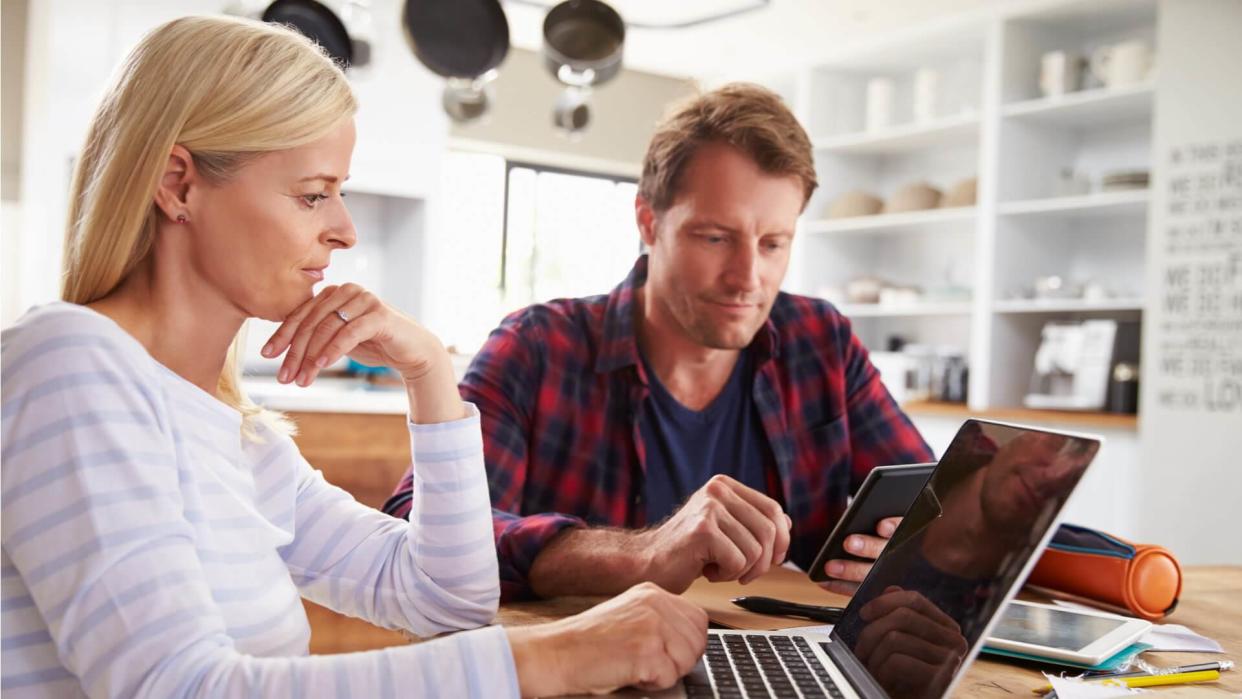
172, 194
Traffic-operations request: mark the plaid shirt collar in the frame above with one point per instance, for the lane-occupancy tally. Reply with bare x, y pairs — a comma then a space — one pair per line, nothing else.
619, 344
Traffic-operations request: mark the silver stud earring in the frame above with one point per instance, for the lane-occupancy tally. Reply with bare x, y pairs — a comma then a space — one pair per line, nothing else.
181, 218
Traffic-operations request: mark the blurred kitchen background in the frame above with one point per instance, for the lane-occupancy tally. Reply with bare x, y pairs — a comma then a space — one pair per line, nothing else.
1030, 209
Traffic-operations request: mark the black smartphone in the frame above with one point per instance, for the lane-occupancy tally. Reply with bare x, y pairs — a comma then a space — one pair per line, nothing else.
888, 491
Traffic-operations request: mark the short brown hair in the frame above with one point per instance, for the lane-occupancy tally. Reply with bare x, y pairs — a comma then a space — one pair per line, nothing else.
748, 117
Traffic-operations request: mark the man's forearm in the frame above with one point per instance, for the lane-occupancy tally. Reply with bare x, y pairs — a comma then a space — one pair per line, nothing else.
590, 562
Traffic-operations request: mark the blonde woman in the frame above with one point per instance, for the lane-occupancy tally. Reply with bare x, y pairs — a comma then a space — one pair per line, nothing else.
158, 528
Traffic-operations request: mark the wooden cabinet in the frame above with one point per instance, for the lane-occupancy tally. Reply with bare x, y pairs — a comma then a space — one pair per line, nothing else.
337, 633
365, 454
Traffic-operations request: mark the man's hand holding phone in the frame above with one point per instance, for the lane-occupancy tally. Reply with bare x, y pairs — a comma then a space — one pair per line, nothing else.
846, 575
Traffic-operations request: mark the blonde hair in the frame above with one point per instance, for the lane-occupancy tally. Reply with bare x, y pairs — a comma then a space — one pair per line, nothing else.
225, 89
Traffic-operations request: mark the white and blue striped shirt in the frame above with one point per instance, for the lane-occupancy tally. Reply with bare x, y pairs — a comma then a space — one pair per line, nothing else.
149, 550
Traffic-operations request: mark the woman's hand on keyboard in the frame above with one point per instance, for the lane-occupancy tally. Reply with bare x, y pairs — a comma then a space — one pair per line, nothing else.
645, 637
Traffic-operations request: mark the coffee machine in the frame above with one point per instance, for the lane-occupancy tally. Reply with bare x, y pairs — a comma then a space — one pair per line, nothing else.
1075, 362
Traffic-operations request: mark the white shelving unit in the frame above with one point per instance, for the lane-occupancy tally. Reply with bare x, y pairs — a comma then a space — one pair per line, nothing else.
1095, 107
864, 310
958, 130
1067, 306
910, 220
1087, 205
992, 123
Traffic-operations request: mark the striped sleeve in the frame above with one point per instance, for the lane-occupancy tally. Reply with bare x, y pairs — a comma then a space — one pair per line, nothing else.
94, 528
434, 572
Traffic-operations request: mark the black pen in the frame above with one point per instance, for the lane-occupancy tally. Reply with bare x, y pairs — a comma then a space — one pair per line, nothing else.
777, 607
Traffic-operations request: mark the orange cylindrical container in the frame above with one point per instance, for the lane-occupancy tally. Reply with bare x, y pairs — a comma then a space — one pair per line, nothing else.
1142, 578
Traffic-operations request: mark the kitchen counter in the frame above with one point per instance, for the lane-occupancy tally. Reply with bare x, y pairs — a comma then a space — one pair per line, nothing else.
327, 395
335, 394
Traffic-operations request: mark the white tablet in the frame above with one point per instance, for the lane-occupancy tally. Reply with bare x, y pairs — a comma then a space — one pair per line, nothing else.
1078, 636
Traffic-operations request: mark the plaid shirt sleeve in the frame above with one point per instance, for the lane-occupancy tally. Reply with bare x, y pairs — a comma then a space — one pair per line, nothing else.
880, 433
503, 381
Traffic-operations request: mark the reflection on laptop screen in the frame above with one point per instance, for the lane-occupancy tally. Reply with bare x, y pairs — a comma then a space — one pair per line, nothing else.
958, 552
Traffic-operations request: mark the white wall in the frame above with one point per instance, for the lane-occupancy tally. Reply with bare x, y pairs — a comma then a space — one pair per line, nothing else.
72, 49
10, 227
624, 112
1190, 485
73, 46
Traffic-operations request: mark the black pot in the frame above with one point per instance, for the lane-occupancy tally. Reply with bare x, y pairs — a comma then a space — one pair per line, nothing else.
582, 42
457, 38
316, 22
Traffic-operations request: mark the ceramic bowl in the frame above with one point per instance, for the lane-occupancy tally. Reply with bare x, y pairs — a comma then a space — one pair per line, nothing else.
855, 203
963, 193
913, 197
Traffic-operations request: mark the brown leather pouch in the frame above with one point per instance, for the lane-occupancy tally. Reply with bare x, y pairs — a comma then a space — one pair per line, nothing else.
1141, 579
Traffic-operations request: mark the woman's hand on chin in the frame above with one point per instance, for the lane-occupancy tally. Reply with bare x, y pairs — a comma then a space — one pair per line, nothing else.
349, 320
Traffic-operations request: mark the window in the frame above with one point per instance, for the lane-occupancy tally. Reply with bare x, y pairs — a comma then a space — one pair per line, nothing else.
524, 234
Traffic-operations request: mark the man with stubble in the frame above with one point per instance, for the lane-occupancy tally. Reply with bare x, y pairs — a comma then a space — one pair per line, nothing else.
696, 421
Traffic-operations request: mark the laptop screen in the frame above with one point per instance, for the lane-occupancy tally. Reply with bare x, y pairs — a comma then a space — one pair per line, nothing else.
958, 552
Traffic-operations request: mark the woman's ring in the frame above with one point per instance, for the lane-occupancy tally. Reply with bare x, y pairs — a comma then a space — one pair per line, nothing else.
341, 314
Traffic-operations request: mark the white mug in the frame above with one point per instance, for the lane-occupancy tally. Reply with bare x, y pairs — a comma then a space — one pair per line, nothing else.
1059, 72
879, 103
926, 89
1121, 64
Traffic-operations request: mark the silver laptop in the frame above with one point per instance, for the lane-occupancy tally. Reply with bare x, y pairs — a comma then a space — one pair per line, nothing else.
916, 622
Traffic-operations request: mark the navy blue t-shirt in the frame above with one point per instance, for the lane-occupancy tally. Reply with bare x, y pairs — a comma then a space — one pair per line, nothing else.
687, 447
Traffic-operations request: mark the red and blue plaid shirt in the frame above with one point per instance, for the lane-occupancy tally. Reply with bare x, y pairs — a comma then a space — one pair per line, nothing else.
560, 386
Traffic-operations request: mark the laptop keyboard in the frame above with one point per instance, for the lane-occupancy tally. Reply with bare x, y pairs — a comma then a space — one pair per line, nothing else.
756, 665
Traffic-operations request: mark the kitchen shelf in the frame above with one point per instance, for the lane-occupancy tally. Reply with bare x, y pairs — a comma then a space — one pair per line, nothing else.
1088, 108
958, 411
1066, 306
1017, 145
950, 131
889, 223
914, 310
1133, 202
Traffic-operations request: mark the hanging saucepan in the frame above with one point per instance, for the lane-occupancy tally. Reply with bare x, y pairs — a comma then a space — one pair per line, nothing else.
582, 41
463, 41
314, 20
582, 45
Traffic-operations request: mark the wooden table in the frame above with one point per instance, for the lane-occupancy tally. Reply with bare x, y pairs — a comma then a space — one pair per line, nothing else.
1209, 605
